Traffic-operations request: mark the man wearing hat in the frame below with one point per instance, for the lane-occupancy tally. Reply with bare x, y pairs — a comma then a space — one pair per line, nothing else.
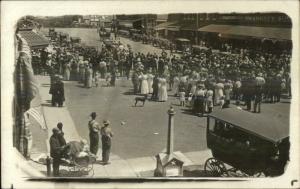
106, 136
258, 92
57, 92
94, 134
61, 138
56, 150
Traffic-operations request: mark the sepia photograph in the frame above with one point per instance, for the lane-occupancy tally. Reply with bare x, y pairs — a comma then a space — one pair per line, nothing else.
145, 96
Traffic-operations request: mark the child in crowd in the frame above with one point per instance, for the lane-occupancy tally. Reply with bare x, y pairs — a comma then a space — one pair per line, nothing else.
108, 78
182, 98
97, 79
190, 99
222, 101
118, 74
209, 100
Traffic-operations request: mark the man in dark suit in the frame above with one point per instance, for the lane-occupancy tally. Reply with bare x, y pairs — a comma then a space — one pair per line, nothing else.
56, 150
155, 88
248, 89
135, 82
57, 91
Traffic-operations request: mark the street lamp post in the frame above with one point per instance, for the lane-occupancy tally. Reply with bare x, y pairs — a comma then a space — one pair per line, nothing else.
197, 26
168, 163
170, 143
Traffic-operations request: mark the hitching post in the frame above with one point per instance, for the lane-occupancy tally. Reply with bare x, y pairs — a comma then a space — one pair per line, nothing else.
170, 143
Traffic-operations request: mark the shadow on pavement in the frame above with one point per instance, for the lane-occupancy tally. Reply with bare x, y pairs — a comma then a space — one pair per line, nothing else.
47, 105
80, 86
188, 171
188, 112
173, 104
68, 173
137, 106
285, 102
129, 93
195, 171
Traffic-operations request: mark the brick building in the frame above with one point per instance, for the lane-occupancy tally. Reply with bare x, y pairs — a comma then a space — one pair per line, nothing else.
213, 28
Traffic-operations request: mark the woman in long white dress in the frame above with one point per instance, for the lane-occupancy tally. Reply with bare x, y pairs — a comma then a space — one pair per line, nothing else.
150, 82
89, 77
193, 82
218, 92
176, 84
144, 84
67, 71
159, 88
163, 95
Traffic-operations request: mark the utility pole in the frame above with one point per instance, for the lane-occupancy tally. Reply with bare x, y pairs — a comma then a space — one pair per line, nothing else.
197, 26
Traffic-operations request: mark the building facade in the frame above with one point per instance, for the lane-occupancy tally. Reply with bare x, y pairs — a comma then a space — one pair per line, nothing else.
189, 25
143, 22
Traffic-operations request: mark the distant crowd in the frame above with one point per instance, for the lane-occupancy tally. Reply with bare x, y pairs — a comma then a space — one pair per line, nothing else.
202, 80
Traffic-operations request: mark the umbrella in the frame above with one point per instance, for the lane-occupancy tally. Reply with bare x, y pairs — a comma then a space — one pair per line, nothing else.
228, 85
102, 64
183, 79
219, 86
260, 81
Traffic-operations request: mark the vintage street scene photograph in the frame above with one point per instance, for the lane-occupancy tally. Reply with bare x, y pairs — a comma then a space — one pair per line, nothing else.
153, 95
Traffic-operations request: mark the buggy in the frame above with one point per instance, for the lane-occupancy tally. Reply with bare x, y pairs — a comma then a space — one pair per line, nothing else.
245, 144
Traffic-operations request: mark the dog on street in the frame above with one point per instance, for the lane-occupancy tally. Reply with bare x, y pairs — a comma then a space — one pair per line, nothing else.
141, 99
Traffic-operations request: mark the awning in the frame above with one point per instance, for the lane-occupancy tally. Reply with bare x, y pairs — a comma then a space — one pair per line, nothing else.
173, 28
164, 25
249, 31
190, 27
215, 28
127, 23
34, 40
199, 47
182, 40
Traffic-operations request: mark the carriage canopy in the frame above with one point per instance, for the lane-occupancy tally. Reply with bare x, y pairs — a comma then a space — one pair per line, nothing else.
272, 126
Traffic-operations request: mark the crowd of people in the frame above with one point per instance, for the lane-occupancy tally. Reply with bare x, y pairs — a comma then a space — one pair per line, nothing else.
203, 79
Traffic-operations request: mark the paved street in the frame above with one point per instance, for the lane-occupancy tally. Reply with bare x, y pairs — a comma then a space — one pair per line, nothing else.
142, 166
140, 132
145, 129
89, 36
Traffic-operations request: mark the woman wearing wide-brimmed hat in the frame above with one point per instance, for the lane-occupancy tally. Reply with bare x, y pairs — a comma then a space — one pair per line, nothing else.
106, 136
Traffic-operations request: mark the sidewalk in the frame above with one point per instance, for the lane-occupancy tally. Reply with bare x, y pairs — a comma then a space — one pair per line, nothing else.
136, 167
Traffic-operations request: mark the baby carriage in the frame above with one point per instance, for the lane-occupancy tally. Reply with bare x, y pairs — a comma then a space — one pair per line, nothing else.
78, 159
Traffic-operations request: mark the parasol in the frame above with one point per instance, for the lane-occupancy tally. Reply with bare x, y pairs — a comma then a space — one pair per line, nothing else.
260, 81
219, 86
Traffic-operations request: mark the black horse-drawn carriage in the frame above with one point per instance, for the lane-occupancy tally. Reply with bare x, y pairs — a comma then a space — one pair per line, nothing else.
246, 144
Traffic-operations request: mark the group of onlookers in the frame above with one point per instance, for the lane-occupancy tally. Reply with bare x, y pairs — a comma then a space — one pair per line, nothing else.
207, 76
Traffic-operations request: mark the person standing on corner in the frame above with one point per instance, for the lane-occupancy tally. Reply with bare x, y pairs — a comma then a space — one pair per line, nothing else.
57, 92
106, 136
60, 93
94, 134
56, 150
61, 137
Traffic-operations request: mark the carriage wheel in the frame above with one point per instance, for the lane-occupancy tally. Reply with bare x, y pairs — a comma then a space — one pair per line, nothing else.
215, 167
